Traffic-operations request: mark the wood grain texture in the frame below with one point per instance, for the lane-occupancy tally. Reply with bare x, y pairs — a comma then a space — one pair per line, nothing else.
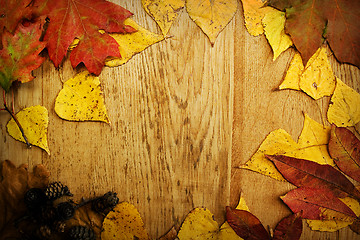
184, 115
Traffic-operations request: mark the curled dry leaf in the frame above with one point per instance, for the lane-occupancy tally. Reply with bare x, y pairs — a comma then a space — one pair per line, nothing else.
81, 99
254, 12
34, 121
164, 12
212, 16
289, 228
14, 182
344, 148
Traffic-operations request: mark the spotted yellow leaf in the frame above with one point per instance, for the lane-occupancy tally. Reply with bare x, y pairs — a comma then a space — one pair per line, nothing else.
81, 99
34, 121
344, 107
274, 24
279, 142
211, 16
254, 12
164, 12
125, 223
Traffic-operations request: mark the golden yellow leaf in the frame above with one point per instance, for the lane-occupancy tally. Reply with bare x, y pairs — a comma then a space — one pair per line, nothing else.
81, 99
311, 146
331, 225
292, 77
164, 12
253, 14
34, 120
125, 223
211, 16
274, 24
344, 107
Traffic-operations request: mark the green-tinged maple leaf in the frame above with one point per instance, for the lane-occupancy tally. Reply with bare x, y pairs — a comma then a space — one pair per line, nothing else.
82, 19
309, 21
20, 54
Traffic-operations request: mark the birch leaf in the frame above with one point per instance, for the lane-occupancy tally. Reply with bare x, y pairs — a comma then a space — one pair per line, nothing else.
81, 99
211, 16
164, 12
274, 24
344, 107
34, 121
254, 11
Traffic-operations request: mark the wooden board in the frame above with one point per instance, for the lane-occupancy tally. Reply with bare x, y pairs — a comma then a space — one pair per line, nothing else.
184, 116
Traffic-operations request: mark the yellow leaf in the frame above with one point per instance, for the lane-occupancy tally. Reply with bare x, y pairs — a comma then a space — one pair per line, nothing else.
132, 43
331, 225
274, 24
125, 223
211, 16
318, 79
311, 146
344, 107
164, 12
81, 99
254, 12
292, 77
34, 121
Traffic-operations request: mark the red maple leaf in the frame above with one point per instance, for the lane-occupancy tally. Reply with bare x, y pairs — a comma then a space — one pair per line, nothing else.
20, 54
310, 21
82, 19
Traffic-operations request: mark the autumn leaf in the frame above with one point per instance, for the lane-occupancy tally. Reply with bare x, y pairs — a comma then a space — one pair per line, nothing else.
318, 204
20, 54
132, 43
170, 235
82, 19
309, 21
34, 121
254, 12
245, 224
356, 226
304, 173
274, 23
14, 182
344, 148
212, 16
164, 12
289, 228
344, 107
293, 74
124, 222
81, 99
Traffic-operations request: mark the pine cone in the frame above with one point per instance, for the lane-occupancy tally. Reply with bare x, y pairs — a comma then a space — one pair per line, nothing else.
34, 198
45, 232
47, 214
105, 203
65, 211
56, 190
59, 226
81, 233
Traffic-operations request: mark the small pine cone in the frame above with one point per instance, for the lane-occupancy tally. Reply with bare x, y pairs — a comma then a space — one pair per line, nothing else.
81, 233
34, 198
45, 232
56, 190
59, 226
105, 203
65, 211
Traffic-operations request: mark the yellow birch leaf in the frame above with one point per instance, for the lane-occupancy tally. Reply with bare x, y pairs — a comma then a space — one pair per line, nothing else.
344, 107
125, 223
274, 24
211, 16
81, 99
164, 12
253, 14
292, 77
318, 79
132, 43
331, 225
34, 121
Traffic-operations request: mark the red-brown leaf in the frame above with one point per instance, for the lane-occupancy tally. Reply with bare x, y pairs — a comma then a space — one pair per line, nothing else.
289, 228
344, 148
304, 173
317, 204
82, 19
308, 21
356, 226
246, 225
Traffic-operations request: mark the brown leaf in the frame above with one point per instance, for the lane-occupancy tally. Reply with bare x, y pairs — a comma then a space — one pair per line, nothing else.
170, 235
318, 204
289, 228
344, 148
14, 182
356, 226
246, 225
303, 173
